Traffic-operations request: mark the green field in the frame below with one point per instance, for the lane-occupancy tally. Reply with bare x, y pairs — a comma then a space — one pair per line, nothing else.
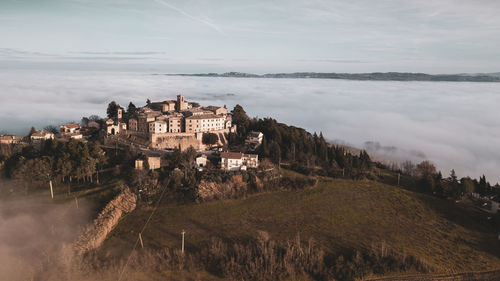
340, 215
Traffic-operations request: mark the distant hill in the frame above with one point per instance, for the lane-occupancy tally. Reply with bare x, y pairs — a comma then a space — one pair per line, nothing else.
494, 74
374, 76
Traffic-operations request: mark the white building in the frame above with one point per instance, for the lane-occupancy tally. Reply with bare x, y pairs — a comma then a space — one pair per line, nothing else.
254, 140
41, 136
236, 161
158, 127
201, 161
255, 137
205, 123
70, 128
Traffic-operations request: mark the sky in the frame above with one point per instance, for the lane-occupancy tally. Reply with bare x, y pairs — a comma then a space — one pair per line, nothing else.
445, 36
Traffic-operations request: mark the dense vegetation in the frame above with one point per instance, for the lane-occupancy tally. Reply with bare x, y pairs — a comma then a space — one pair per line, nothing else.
299, 149
57, 161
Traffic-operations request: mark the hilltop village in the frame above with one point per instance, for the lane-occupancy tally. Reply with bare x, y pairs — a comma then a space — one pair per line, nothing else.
157, 128
178, 134
170, 124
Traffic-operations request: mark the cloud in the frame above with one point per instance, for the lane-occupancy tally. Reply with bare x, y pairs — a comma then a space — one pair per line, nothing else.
198, 19
333, 60
123, 53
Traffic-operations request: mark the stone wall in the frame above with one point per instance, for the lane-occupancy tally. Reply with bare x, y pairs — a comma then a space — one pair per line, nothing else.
174, 140
96, 233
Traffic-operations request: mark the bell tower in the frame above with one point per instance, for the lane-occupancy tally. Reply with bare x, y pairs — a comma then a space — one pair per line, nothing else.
119, 113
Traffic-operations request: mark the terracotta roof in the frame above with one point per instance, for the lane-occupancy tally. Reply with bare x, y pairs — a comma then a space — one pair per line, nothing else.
41, 133
72, 125
231, 155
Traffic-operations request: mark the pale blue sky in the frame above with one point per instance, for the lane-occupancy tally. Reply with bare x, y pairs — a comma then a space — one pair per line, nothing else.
445, 36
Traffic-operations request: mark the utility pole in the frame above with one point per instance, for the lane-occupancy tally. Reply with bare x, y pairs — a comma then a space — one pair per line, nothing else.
140, 240
51, 189
97, 174
183, 232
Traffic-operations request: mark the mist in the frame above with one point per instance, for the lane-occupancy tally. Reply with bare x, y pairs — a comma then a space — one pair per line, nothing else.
454, 125
36, 234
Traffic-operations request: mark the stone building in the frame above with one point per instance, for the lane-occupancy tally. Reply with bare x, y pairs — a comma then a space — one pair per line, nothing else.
154, 162
132, 124
10, 139
181, 104
173, 123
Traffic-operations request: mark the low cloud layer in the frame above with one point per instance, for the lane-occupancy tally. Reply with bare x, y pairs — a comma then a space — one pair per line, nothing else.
455, 125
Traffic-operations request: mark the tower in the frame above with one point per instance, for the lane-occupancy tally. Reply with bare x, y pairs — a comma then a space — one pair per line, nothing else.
181, 103
119, 113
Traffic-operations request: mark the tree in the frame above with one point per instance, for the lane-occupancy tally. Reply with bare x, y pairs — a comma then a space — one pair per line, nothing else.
426, 171
453, 176
425, 168
210, 139
240, 118
32, 131
112, 110
131, 109
85, 121
94, 118
51, 129
408, 168
148, 102
275, 152
483, 186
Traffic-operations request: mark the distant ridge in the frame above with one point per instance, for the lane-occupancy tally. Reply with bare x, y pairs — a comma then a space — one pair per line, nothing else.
374, 76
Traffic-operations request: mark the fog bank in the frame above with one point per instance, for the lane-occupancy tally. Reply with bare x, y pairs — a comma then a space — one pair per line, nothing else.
455, 125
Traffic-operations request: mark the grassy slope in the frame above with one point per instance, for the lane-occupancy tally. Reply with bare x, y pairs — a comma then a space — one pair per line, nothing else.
338, 214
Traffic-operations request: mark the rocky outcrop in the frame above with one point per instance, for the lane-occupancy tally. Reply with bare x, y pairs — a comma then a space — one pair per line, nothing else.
96, 233
233, 188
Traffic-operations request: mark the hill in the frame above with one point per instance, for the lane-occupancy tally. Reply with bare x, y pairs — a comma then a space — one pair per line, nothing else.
340, 215
373, 76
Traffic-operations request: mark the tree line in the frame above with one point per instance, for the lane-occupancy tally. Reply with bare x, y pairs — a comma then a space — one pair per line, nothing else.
301, 150
57, 161
429, 180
